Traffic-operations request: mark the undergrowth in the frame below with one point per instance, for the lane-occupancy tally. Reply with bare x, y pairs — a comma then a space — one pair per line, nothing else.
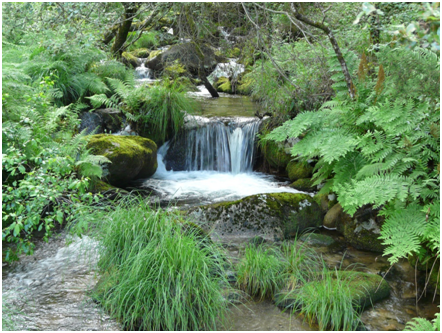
157, 274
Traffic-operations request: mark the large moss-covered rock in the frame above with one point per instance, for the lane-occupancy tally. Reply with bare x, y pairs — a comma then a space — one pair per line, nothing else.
275, 155
363, 229
132, 157
274, 216
365, 289
303, 184
298, 170
141, 53
195, 59
129, 59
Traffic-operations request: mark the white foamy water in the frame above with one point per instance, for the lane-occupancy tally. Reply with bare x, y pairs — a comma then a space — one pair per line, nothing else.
204, 187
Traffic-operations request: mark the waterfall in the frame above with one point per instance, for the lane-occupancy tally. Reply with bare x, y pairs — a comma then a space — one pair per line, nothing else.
215, 144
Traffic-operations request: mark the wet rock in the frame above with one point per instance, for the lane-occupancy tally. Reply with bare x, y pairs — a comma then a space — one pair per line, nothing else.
362, 230
333, 216
318, 240
325, 201
103, 120
193, 59
303, 184
275, 155
273, 216
132, 157
298, 170
91, 121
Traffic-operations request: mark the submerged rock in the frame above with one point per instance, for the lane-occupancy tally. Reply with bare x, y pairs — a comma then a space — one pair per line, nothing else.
317, 240
273, 216
132, 157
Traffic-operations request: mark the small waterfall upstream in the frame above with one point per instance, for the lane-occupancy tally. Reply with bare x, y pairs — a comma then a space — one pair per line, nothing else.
222, 147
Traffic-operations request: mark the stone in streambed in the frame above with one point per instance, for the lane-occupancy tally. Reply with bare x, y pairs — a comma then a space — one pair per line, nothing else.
273, 216
132, 157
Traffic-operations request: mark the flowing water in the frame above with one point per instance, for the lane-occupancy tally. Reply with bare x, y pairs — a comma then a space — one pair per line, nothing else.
49, 290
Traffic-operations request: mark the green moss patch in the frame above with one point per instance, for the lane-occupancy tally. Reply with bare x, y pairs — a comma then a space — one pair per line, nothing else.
303, 184
132, 157
298, 170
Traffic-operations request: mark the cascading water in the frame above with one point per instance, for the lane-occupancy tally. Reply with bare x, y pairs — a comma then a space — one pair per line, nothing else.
211, 161
220, 147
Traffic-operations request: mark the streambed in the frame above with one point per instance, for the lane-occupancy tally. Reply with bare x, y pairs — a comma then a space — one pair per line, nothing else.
49, 290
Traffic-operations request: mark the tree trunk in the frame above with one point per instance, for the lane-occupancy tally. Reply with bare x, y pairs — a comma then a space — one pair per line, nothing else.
334, 43
208, 86
123, 30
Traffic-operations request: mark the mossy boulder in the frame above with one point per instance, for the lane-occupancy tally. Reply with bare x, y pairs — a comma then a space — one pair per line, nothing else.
317, 240
298, 170
141, 53
223, 85
132, 157
362, 231
275, 155
154, 54
365, 289
273, 216
194, 59
325, 201
129, 59
303, 184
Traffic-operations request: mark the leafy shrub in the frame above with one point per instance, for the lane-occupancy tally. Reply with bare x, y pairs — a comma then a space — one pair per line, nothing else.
382, 149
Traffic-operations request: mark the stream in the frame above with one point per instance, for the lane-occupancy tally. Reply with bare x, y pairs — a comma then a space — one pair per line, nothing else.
49, 290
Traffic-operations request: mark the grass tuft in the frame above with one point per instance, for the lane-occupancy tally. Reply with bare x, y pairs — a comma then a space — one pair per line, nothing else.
158, 275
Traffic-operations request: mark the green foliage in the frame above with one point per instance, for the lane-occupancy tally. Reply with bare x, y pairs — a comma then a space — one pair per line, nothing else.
421, 324
148, 40
328, 301
46, 166
260, 271
157, 275
306, 83
158, 110
382, 149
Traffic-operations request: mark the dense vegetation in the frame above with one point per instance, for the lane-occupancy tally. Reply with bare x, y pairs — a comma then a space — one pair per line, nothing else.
361, 91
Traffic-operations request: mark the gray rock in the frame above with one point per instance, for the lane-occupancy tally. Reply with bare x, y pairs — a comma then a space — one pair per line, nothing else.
273, 216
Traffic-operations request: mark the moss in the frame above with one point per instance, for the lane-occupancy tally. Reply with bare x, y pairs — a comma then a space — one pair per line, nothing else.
129, 59
141, 53
101, 186
303, 184
366, 288
298, 170
131, 156
317, 239
153, 54
275, 155
175, 69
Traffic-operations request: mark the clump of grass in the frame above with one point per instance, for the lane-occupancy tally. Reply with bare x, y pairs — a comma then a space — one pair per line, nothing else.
158, 276
326, 299
261, 271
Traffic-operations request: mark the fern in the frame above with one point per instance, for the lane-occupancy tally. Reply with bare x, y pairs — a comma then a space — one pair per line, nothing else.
421, 324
